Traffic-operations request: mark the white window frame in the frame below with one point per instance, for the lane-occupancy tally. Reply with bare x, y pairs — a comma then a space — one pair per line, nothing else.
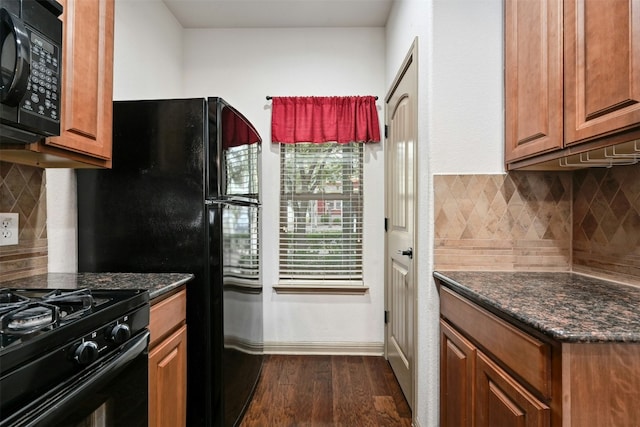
292, 283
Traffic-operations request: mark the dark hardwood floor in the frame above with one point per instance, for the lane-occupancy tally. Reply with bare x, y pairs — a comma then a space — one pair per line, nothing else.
323, 391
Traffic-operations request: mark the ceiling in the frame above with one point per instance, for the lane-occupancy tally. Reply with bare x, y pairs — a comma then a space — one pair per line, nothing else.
279, 13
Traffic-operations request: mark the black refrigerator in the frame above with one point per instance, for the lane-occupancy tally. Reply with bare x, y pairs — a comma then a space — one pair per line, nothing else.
183, 196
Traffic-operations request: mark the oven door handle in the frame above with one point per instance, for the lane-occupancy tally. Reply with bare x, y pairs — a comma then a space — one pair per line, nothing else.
45, 410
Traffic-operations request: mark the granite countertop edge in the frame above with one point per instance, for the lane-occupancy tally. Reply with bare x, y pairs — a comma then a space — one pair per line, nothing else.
157, 284
565, 306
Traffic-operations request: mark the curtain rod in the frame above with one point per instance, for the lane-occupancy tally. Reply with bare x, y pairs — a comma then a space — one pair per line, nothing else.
271, 97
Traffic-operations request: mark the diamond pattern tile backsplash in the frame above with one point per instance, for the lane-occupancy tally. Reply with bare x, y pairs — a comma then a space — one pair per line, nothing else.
586, 221
606, 222
22, 191
518, 221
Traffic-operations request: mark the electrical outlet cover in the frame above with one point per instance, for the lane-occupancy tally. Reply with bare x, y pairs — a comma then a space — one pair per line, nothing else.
8, 229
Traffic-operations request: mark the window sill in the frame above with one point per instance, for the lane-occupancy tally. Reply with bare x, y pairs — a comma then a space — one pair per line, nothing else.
321, 289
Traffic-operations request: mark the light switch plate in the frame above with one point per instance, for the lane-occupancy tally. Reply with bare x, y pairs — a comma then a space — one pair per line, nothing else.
8, 229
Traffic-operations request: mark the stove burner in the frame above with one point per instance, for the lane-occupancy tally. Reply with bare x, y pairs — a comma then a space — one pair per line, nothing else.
32, 317
24, 313
9, 297
10, 301
71, 303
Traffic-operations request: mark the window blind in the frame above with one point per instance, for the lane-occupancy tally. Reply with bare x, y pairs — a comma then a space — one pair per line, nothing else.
321, 209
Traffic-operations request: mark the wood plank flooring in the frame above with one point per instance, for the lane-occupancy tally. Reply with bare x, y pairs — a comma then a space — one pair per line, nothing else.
327, 391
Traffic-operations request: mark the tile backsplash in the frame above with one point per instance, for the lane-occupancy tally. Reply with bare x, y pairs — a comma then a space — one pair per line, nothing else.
606, 222
22, 191
518, 221
587, 221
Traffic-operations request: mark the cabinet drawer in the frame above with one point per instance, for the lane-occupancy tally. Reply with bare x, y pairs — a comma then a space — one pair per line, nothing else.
167, 315
523, 354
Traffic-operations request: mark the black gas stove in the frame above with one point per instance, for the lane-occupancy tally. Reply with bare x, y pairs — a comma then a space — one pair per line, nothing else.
50, 338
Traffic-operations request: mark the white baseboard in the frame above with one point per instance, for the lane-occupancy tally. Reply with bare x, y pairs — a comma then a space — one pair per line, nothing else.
324, 348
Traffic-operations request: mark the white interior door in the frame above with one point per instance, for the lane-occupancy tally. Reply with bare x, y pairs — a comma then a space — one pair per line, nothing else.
401, 253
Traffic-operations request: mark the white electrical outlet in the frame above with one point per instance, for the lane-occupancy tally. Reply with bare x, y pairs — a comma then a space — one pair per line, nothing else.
8, 229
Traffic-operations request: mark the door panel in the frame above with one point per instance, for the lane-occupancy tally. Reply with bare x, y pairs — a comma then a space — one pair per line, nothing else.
401, 119
400, 304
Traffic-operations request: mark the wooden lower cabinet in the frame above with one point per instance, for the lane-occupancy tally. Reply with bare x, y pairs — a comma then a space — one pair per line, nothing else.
502, 401
167, 377
494, 373
457, 370
477, 392
168, 362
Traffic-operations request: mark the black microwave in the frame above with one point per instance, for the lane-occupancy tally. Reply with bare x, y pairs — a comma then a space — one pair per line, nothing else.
30, 70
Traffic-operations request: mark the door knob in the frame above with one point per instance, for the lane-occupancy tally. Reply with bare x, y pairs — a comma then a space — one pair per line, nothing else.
407, 252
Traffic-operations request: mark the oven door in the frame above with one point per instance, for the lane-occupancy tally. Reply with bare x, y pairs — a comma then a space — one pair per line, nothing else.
112, 392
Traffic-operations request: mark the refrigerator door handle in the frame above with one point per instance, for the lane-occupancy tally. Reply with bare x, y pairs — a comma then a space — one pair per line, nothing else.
209, 202
231, 201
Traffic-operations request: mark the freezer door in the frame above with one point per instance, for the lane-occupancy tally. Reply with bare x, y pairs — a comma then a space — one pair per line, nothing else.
234, 148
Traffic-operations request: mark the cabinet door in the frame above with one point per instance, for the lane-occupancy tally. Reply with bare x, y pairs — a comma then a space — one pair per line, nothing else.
602, 67
457, 366
533, 77
168, 381
501, 401
87, 78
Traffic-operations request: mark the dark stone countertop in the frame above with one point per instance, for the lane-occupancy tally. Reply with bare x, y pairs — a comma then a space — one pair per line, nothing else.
157, 284
567, 307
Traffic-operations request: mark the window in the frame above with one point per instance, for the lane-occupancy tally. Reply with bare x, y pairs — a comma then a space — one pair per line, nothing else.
321, 211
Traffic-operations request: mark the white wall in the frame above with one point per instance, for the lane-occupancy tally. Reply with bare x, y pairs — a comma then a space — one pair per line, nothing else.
147, 61
467, 126
244, 66
147, 64
460, 131
62, 220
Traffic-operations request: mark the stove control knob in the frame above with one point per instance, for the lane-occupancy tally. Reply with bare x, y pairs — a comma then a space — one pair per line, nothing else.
120, 333
86, 352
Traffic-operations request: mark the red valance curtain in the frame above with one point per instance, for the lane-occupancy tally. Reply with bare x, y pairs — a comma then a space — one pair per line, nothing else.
320, 119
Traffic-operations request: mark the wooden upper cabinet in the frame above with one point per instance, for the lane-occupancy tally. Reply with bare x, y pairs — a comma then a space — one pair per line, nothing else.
572, 79
86, 116
602, 67
533, 77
